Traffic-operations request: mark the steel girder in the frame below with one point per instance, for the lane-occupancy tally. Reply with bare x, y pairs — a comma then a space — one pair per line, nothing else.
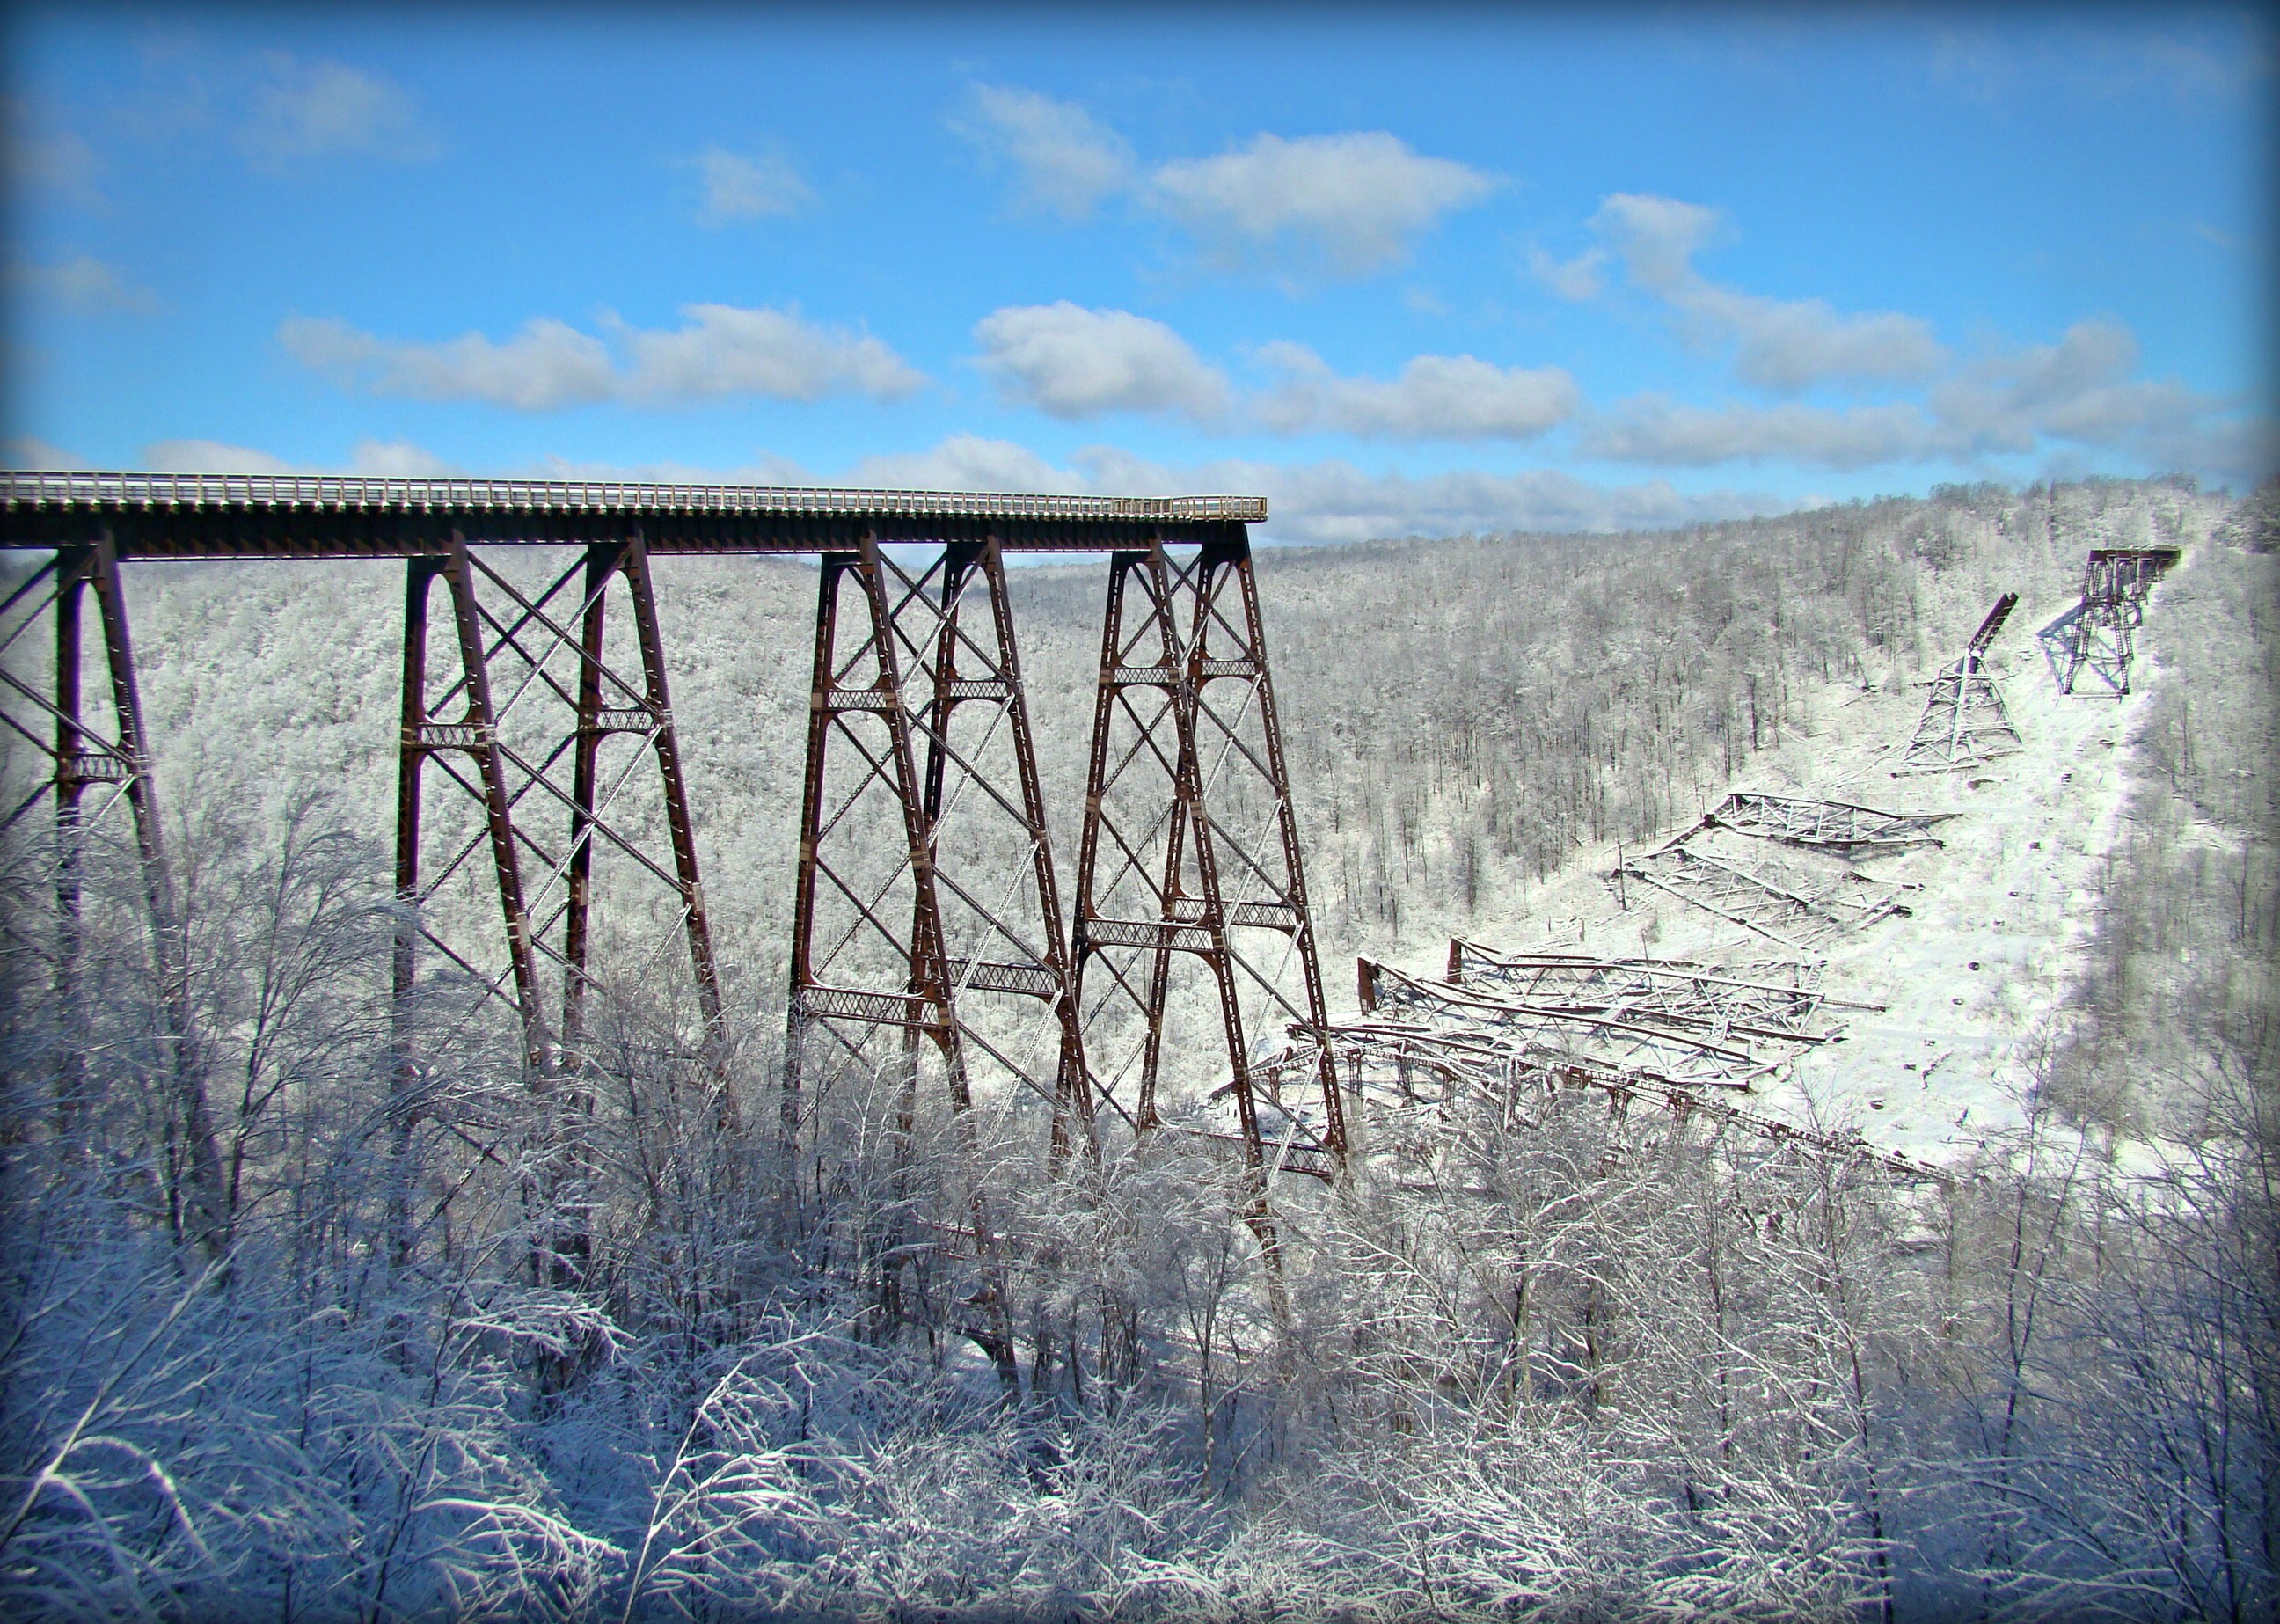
519, 713
1778, 1002
1964, 722
1823, 826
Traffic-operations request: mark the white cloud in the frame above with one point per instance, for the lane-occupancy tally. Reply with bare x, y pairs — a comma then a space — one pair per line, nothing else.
738, 188
314, 109
547, 365
56, 160
764, 469
1070, 362
1334, 501
1068, 161
965, 462
1654, 430
214, 456
31, 451
729, 350
1583, 277
2082, 389
86, 283
1784, 345
1436, 397
726, 351
1353, 201
398, 459
1789, 346
373, 459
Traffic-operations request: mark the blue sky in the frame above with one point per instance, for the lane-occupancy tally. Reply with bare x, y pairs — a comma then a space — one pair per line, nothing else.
1400, 270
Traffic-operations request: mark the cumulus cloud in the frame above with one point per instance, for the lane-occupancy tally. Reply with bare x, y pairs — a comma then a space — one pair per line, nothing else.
373, 459
1583, 277
1067, 159
305, 111
725, 350
547, 365
729, 350
1352, 202
54, 160
966, 462
1435, 397
1783, 345
1334, 501
1070, 362
737, 187
2084, 389
31, 451
85, 283
1654, 430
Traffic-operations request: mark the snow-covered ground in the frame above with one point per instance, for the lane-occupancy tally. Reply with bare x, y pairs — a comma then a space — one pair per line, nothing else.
1971, 979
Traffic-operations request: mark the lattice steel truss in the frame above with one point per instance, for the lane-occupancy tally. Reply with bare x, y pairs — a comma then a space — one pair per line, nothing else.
927, 931
539, 774
1414, 1074
1190, 888
1627, 1037
1824, 826
2099, 634
1758, 901
1777, 1001
1964, 722
523, 723
72, 752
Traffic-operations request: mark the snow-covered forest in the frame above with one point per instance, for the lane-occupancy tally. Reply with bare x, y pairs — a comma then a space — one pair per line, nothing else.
603, 1352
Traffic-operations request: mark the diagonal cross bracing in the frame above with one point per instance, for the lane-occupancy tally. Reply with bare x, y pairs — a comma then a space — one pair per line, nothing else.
1778, 1002
2099, 634
1627, 1038
544, 837
1823, 826
1190, 888
1964, 721
539, 717
927, 936
1754, 901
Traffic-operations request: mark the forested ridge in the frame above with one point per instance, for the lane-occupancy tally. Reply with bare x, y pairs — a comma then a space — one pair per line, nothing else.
597, 1351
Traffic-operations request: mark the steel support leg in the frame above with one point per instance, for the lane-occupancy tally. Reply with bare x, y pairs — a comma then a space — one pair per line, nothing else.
1190, 842
854, 973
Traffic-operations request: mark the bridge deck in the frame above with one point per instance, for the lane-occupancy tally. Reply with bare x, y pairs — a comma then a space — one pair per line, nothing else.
274, 516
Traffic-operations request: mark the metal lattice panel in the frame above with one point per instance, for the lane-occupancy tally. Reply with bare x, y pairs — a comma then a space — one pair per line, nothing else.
928, 933
1755, 901
2099, 634
1824, 826
1778, 1002
1190, 886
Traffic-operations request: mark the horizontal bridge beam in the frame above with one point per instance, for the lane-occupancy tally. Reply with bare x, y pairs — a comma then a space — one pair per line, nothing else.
254, 516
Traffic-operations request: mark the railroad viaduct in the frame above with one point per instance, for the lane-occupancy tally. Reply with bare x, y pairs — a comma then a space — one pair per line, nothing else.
928, 928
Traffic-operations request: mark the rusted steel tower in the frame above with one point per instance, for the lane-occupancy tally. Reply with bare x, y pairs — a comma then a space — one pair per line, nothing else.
1190, 869
1964, 722
941, 932
2099, 634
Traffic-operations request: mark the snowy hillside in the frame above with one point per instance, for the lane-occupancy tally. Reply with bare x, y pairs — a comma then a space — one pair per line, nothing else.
1972, 976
